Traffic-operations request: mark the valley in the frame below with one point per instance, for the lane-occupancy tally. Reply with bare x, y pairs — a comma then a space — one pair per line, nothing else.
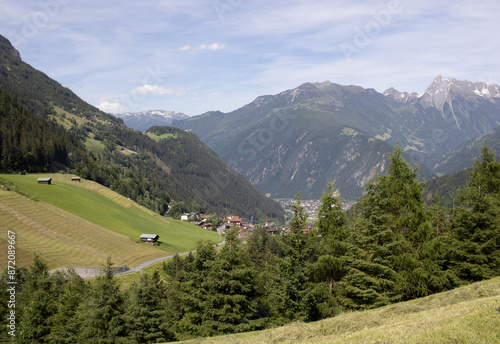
81, 188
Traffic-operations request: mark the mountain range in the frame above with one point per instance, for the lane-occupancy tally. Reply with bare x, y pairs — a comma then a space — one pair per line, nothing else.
293, 141
299, 139
147, 119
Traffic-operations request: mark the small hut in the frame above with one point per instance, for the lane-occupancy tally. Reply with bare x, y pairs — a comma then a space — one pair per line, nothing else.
76, 179
150, 238
45, 181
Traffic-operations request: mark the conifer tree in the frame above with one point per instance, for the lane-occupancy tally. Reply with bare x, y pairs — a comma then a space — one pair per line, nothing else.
232, 285
37, 304
64, 327
394, 240
292, 296
331, 217
147, 320
370, 279
100, 316
331, 265
475, 240
402, 197
219, 295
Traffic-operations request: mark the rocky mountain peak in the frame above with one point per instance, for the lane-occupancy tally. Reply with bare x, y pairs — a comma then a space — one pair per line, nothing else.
442, 89
323, 84
398, 96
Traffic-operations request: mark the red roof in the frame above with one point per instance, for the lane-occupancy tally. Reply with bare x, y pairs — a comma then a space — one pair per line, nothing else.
234, 219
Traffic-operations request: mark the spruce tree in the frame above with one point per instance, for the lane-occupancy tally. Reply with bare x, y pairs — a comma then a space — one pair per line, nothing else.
36, 304
370, 278
232, 286
219, 295
475, 239
393, 259
64, 326
331, 265
292, 296
100, 316
147, 320
331, 217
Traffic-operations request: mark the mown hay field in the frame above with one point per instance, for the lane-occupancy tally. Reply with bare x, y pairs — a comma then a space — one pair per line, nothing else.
80, 224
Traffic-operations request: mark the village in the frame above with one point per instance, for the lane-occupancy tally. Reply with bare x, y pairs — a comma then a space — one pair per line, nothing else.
246, 227
221, 224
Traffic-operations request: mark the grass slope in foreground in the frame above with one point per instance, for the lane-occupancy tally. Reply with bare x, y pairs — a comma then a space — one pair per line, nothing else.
470, 314
73, 224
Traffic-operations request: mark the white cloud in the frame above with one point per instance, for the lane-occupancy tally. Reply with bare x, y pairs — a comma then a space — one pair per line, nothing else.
113, 108
213, 46
152, 89
159, 90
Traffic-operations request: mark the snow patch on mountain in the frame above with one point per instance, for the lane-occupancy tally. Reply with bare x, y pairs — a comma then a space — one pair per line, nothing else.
146, 119
173, 115
442, 89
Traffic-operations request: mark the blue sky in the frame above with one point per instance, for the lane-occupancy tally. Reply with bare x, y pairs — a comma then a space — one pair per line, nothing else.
194, 56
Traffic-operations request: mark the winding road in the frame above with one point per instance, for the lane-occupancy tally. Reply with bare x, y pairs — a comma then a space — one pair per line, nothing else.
148, 263
88, 273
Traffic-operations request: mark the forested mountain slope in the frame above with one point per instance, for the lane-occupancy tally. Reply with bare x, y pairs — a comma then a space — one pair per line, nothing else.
66, 133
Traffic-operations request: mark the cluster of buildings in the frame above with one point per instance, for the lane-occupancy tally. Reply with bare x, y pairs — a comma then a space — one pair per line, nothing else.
224, 223
311, 206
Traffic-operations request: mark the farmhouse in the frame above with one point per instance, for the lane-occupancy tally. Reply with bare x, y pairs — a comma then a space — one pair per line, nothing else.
150, 238
44, 181
234, 221
206, 225
204, 218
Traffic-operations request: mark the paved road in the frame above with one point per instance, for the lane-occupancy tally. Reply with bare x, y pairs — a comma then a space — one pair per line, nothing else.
93, 273
148, 263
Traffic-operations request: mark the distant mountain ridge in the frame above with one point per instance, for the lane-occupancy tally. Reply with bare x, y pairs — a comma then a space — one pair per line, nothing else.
299, 138
146, 119
439, 91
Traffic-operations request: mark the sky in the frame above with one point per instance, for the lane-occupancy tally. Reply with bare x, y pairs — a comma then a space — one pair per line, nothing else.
195, 56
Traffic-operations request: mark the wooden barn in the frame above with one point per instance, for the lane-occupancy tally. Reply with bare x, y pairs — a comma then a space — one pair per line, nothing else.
44, 181
150, 238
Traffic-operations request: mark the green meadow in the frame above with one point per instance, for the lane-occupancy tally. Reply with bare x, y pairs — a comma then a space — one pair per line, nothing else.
85, 217
166, 136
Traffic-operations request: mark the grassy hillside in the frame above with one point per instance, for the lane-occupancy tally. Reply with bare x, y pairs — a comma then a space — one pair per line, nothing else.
470, 314
81, 224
